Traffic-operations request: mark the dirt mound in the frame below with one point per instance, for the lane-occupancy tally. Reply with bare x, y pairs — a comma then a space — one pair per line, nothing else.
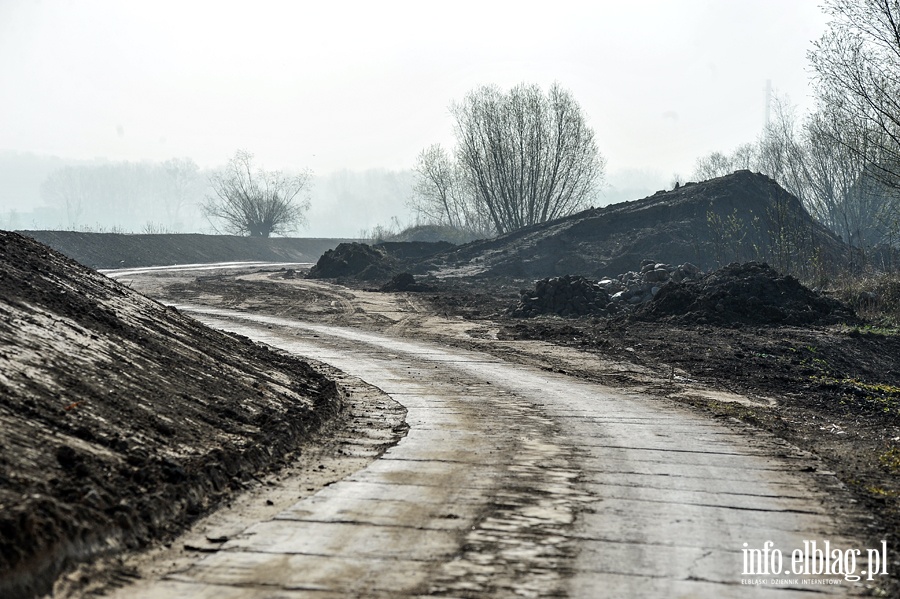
739, 217
114, 250
405, 282
357, 260
374, 262
122, 420
573, 295
570, 295
750, 293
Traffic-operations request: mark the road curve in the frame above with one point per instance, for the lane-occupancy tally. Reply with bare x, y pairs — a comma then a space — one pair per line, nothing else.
517, 482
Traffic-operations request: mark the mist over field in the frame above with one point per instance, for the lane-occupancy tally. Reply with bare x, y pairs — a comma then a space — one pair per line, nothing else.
343, 204
121, 89
137, 198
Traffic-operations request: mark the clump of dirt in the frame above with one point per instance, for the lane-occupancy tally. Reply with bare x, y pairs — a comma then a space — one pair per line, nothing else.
749, 293
405, 282
357, 260
382, 261
570, 295
121, 420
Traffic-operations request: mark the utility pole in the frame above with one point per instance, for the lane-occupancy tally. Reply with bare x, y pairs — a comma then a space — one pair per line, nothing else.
768, 100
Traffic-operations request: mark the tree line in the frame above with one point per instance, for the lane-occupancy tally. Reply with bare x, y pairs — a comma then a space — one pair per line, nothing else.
152, 197
842, 160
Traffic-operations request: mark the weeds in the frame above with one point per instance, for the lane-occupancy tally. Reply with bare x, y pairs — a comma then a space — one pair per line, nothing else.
891, 459
876, 298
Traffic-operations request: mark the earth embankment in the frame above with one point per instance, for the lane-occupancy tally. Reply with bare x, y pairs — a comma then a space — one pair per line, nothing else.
115, 250
122, 420
736, 218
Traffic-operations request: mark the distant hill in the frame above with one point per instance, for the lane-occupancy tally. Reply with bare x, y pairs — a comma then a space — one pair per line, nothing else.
739, 217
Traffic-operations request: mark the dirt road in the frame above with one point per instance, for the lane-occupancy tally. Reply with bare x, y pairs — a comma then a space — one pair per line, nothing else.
517, 481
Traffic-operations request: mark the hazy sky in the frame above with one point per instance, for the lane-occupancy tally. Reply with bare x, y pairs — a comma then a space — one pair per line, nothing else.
331, 85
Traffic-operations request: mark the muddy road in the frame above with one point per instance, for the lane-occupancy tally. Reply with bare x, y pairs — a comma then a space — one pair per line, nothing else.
514, 479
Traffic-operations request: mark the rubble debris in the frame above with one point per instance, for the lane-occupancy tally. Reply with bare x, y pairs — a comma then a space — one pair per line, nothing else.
749, 293
573, 295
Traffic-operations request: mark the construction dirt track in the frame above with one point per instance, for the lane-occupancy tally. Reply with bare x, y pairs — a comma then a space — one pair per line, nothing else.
514, 478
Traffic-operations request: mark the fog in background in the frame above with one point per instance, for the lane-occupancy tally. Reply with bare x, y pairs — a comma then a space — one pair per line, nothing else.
355, 90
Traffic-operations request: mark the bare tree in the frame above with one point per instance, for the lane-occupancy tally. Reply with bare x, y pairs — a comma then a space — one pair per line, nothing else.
252, 201
437, 188
781, 152
69, 189
717, 164
526, 157
443, 195
857, 67
714, 164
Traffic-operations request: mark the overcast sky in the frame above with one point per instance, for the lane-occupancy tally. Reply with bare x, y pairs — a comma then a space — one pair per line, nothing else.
332, 85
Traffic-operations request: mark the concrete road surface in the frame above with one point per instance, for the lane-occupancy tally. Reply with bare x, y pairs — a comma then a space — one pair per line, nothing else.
519, 482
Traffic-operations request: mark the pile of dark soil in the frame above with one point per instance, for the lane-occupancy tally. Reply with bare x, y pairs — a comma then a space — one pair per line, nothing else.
405, 282
576, 296
357, 260
121, 421
749, 293
365, 262
739, 217
564, 296
115, 250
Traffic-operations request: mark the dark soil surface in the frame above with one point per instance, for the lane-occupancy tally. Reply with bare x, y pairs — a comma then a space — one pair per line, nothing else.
736, 218
122, 420
739, 294
114, 250
358, 260
378, 262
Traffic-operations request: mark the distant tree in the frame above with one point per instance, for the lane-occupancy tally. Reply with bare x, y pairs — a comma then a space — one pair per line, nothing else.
714, 164
782, 150
522, 158
70, 189
251, 201
178, 184
443, 194
857, 70
438, 194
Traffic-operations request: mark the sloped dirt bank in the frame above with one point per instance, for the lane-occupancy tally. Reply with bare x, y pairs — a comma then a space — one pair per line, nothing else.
122, 420
739, 217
